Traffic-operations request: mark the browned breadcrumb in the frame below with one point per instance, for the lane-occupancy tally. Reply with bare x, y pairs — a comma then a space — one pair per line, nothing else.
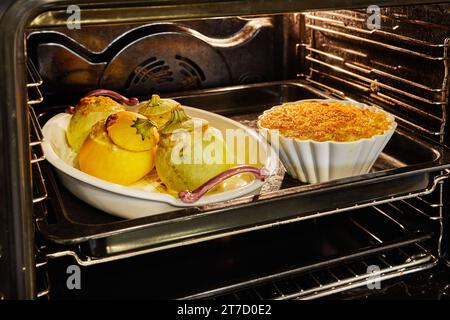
97, 104
325, 121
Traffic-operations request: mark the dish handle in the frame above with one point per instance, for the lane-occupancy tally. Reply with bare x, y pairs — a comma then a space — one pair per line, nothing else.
188, 196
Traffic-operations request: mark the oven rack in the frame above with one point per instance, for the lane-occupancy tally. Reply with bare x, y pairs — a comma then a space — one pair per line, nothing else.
223, 265
82, 253
325, 282
346, 271
361, 70
93, 243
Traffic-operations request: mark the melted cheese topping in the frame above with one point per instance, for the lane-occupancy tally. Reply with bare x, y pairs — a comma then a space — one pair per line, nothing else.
325, 121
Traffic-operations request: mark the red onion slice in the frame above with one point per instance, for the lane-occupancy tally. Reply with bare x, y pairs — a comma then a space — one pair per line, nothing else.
188, 196
112, 94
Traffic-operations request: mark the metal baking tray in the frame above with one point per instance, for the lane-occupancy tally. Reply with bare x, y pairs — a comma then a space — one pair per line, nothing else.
408, 167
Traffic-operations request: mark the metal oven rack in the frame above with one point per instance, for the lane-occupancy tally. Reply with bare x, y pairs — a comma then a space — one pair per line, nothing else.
319, 283
345, 273
108, 239
391, 241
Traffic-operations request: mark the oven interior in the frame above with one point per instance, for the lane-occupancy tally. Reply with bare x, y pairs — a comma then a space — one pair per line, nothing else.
295, 240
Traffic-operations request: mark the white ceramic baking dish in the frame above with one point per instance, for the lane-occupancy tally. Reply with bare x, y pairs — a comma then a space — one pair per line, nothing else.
314, 162
136, 201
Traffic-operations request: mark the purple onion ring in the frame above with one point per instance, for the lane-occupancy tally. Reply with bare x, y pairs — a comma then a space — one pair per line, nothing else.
188, 196
112, 94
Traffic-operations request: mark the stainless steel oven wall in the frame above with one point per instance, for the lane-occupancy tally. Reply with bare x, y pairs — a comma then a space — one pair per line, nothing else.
165, 56
17, 267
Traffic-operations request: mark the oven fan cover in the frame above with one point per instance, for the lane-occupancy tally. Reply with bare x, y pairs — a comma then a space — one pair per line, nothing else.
165, 62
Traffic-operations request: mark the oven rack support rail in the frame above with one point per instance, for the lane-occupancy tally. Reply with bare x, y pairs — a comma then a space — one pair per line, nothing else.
36, 137
360, 72
40, 193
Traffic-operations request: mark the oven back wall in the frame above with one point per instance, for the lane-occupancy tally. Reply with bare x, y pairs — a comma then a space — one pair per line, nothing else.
166, 57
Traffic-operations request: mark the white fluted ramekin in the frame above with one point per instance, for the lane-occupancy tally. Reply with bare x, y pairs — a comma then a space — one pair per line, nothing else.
320, 161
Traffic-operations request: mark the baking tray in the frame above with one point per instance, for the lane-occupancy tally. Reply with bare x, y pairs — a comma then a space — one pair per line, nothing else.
408, 167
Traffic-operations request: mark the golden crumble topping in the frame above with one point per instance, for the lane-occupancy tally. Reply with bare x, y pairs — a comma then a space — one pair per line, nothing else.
325, 121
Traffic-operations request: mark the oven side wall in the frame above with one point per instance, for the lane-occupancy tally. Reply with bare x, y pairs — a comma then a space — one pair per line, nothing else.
17, 269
